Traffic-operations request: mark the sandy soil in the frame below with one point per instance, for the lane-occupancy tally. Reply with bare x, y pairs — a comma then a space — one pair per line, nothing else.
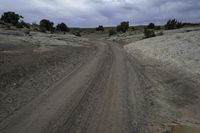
28, 68
61, 83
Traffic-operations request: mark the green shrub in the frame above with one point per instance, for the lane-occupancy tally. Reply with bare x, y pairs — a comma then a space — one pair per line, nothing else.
149, 33
123, 27
100, 28
112, 32
173, 24
11, 17
46, 25
62, 27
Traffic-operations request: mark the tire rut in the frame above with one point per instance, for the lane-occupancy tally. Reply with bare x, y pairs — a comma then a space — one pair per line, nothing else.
85, 101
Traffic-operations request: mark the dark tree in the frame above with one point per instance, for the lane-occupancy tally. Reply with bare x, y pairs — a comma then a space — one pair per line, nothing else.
46, 25
100, 28
151, 26
11, 17
173, 24
123, 27
62, 27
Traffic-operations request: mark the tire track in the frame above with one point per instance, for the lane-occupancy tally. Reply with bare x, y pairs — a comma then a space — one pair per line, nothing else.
39, 114
85, 100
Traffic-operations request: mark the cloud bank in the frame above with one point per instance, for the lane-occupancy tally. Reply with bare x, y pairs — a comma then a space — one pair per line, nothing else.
90, 13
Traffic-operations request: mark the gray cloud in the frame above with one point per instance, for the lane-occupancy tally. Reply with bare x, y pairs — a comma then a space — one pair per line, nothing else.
90, 13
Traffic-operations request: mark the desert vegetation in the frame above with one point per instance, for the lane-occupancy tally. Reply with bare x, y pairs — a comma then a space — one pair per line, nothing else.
151, 26
173, 24
149, 33
149, 30
14, 19
123, 27
11, 17
62, 27
46, 25
100, 28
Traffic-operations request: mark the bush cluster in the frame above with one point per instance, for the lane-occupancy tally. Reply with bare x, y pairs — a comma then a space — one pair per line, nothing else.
62, 27
14, 19
46, 25
123, 27
151, 26
173, 24
100, 28
11, 17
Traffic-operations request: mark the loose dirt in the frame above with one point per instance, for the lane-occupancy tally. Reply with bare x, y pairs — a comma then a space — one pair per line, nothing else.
74, 85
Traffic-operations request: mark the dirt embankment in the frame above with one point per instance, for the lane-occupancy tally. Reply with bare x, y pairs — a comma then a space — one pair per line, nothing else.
180, 48
29, 65
171, 65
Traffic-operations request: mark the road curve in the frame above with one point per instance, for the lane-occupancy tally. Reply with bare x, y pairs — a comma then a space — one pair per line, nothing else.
95, 98
108, 94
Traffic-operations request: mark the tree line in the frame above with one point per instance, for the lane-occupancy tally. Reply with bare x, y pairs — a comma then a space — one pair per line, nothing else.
44, 25
47, 25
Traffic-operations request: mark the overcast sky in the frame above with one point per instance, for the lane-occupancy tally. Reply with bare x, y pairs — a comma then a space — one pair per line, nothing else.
90, 13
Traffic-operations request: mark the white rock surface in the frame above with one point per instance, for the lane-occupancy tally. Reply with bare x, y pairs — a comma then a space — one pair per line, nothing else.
178, 47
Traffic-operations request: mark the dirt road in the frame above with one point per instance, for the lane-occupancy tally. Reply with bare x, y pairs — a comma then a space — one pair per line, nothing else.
108, 94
